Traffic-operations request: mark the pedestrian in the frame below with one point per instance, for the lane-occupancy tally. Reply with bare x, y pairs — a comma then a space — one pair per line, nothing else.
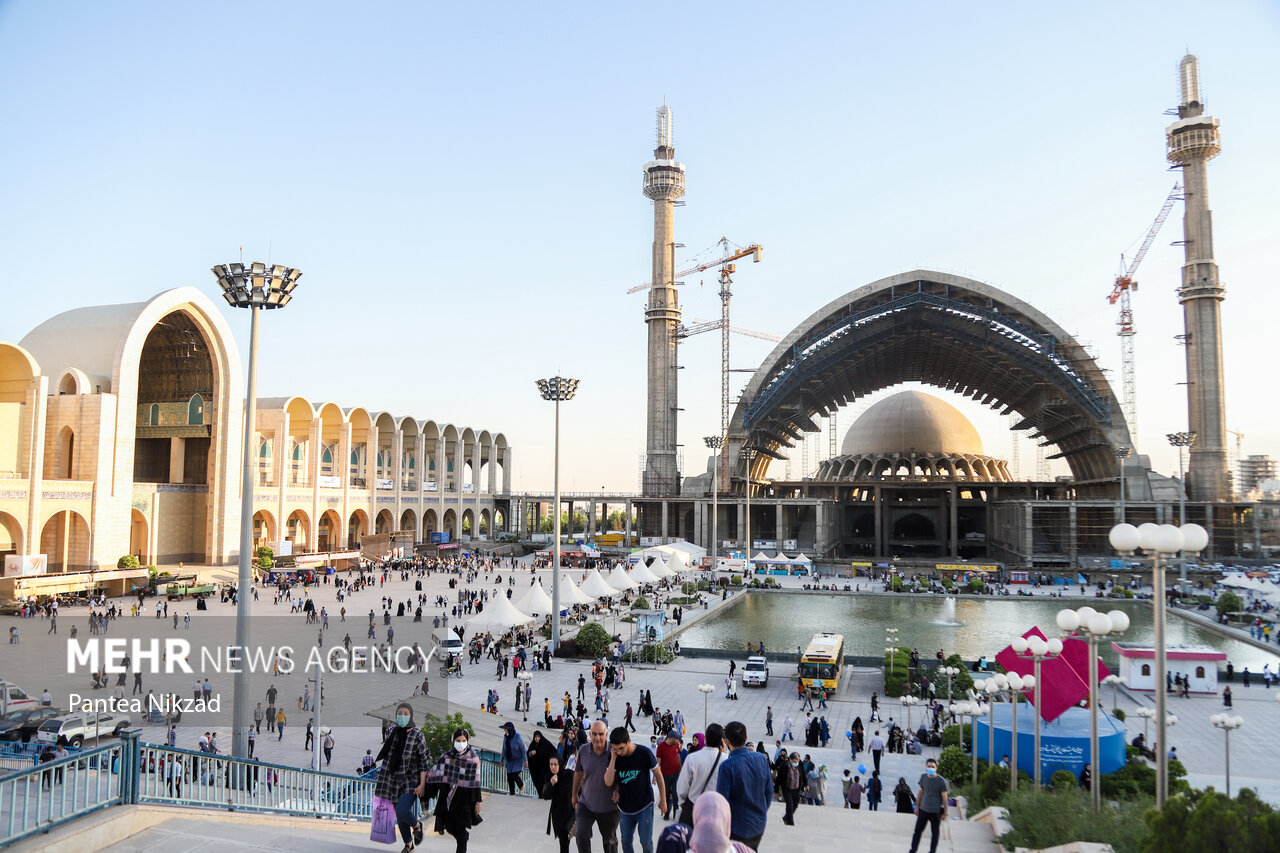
768, 720
402, 773
258, 715
904, 800
538, 755
1226, 696
875, 789
786, 728
746, 782
700, 773
592, 798
280, 722
668, 755
558, 788
629, 771
792, 779
253, 739
327, 746
514, 757
713, 827
877, 748
931, 805
853, 797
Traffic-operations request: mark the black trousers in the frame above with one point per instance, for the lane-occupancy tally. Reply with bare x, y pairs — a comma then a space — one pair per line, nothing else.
608, 823
933, 819
790, 796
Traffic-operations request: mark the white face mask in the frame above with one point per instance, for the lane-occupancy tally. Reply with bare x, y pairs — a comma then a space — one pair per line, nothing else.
460, 745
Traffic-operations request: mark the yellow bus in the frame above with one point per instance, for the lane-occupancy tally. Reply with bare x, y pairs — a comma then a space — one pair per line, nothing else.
822, 662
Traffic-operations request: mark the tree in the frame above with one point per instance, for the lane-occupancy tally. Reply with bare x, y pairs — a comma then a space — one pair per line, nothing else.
128, 561
1229, 602
593, 640
439, 733
1208, 820
547, 526
954, 764
266, 557
641, 603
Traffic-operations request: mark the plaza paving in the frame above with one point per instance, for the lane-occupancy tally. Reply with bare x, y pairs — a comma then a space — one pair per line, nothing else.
39, 661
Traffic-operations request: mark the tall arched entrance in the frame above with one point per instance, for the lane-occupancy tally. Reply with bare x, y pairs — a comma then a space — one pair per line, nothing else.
357, 528
384, 523
264, 530
10, 536
430, 524
450, 525
65, 539
328, 531
298, 530
139, 537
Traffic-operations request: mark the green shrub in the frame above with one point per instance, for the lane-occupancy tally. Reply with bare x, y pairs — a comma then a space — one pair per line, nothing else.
977, 584
895, 583
961, 682
1044, 819
1229, 602
897, 676
641, 603
266, 557
1208, 820
995, 783
655, 654
592, 640
948, 584
1063, 780
954, 764
1118, 713
688, 587
704, 586
1130, 782
957, 735
439, 733
128, 561
735, 580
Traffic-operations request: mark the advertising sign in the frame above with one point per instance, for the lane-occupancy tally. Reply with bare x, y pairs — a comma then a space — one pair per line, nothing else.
326, 481
430, 486
764, 545
468, 488
284, 548
440, 537
25, 565
382, 485
789, 545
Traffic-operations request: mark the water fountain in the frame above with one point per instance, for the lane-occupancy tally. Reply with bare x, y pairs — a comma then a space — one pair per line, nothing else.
948, 612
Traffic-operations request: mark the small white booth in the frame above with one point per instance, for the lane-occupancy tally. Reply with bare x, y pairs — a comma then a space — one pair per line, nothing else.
1198, 664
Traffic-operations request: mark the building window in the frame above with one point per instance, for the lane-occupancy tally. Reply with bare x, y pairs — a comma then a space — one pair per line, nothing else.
1146, 669
154, 419
1199, 672
195, 410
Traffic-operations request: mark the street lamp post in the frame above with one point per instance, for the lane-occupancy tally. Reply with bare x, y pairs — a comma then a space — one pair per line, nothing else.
949, 672
1096, 628
749, 454
976, 710
255, 287
1161, 541
523, 678
1114, 681
907, 702
1226, 722
706, 690
891, 637
1121, 453
557, 389
1181, 440
1039, 650
715, 442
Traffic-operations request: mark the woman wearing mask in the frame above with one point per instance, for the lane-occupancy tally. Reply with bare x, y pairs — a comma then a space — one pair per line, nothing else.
455, 781
559, 790
402, 774
904, 798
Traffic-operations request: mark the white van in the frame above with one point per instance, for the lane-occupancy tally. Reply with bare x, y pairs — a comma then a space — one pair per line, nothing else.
447, 643
14, 698
756, 672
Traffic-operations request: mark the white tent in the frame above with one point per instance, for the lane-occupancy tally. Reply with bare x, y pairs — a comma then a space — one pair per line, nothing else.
498, 615
801, 560
570, 594
1257, 587
760, 558
535, 600
643, 574
686, 552
620, 580
596, 586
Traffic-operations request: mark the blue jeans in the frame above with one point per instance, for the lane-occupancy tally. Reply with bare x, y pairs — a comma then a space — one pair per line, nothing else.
407, 814
630, 823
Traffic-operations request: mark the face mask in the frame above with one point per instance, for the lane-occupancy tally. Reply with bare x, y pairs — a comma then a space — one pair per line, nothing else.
402, 720
460, 745
932, 771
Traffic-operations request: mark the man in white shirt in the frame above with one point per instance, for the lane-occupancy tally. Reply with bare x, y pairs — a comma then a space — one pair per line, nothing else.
701, 769
876, 745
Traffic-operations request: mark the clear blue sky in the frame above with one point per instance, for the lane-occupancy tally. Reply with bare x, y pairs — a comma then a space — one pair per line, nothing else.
460, 184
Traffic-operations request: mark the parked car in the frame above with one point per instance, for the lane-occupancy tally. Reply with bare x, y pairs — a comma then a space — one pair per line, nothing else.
79, 727
21, 725
756, 672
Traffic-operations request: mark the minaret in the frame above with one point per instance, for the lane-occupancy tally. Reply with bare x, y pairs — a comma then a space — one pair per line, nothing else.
1193, 141
664, 183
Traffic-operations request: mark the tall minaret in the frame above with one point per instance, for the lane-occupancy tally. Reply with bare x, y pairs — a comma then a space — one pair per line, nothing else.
664, 183
1193, 141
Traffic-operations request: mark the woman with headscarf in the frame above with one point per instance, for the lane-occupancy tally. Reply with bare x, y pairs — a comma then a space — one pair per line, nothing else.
858, 734
905, 799
710, 832
402, 774
779, 772
558, 788
455, 780
699, 741
539, 753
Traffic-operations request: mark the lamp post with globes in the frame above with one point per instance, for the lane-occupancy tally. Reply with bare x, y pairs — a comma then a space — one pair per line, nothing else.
715, 442
976, 710
256, 288
907, 702
1226, 722
891, 637
993, 686
1161, 541
1039, 650
706, 690
1096, 628
1114, 681
1017, 685
557, 389
950, 672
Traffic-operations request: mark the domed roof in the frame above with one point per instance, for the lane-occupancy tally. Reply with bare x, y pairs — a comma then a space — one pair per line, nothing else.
912, 422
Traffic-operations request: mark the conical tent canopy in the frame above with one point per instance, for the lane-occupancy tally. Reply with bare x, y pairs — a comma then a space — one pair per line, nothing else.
760, 557
801, 559
570, 594
535, 600
619, 579
643, 574
498, 615
596, 586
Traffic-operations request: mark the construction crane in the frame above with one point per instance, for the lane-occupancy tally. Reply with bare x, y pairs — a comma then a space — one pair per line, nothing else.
1239, 455
1121, 293
729, 257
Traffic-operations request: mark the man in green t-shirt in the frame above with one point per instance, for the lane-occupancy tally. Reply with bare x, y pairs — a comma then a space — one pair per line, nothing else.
931, 805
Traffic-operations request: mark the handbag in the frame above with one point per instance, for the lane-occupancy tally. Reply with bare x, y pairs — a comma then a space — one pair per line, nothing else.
686, 806
383, 830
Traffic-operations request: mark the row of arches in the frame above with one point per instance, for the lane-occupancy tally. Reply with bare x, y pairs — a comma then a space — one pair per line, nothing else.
65, 538
931, 465
330, 534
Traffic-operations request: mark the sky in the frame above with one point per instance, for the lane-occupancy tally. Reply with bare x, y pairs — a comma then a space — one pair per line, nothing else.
460, 185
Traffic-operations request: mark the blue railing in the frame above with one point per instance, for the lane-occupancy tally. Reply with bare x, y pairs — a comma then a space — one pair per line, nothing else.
36, 798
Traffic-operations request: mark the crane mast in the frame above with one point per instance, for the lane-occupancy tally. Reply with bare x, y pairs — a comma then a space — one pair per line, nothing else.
1120, 293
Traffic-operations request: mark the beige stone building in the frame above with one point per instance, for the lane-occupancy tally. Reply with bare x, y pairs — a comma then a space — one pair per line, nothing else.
121, 431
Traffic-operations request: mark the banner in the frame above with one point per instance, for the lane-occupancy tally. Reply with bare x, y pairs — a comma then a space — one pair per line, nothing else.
25, 565
382, 485
284, 548
326, 481
430, 486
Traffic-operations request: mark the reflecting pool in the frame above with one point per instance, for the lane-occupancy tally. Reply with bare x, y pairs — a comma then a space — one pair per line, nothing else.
783, 620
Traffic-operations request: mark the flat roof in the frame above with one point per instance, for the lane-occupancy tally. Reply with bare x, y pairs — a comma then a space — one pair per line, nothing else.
1172, 652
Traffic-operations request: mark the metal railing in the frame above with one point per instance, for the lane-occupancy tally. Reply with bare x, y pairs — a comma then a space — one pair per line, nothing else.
36, 798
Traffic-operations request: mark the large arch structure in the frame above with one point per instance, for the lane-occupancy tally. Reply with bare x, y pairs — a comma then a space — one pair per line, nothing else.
942, 330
